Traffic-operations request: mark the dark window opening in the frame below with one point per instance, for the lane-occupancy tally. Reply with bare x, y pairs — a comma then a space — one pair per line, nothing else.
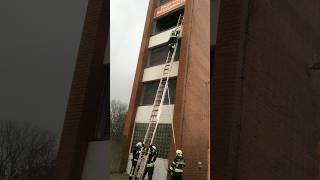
161, 139
177, 55
103, 123
166, 22
161, 2
149, 90
158, 55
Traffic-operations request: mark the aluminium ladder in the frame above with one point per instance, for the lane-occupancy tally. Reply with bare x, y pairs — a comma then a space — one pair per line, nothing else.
156, 110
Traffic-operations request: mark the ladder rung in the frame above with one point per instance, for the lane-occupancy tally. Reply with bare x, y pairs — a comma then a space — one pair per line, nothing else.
156, 107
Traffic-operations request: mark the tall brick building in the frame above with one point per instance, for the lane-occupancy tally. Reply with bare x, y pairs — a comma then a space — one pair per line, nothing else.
266, 108
188, 85
264, 100
83, 146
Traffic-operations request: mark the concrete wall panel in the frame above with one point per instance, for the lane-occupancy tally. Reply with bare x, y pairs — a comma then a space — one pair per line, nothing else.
160, 38
96, 165
144, 112
155, 72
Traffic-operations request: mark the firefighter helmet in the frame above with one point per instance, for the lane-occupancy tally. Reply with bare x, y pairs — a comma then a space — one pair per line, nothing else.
139, 144
179, 152
153, 147
178, 29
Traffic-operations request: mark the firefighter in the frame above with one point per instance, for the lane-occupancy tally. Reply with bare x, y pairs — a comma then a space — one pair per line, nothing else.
176, 168
136, 153
151, 162
172, 43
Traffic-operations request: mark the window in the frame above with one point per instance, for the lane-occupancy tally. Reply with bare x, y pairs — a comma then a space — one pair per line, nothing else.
103, 122
161, 139
166, 22
158, 55
149, 90
177, 55
162, 2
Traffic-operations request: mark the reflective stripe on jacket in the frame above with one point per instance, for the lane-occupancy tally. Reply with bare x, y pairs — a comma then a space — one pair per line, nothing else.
152, 158
177, 165
150, 165
174, 33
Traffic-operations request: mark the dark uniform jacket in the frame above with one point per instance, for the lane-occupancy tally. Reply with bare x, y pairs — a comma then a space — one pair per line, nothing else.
136, 153
173, 37
152, 158
177, 165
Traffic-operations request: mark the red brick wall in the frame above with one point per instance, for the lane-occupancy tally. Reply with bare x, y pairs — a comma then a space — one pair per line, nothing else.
281, 109
136, 89
226, 92
192, 104
81, 114
266, 109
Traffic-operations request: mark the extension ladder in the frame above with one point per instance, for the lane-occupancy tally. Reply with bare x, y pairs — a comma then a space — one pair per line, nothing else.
156, 110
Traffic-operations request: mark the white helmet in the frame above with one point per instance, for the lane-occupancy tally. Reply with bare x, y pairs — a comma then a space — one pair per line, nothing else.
139, 144
154, 147
179, 152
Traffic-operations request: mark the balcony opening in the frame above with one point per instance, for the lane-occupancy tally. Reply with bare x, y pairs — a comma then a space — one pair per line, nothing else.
149, 90
167, 22
158, 55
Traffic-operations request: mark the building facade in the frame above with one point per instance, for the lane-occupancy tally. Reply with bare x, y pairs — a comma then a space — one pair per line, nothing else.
265, 121
83, 148
189, 87
265, 101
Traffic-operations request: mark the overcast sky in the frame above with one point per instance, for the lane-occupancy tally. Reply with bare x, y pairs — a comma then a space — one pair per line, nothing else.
39, 42
127, 19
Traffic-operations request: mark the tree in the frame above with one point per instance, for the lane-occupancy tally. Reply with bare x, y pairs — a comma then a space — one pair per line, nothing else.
118, 111
26, 152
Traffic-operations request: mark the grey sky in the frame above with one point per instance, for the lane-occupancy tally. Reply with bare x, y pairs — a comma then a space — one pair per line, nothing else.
127, 19
39, 42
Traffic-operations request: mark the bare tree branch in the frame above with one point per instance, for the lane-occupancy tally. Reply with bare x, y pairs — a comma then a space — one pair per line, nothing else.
118, 111
26, 152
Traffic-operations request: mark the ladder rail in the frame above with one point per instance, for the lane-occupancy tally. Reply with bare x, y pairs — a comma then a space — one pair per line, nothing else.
157, 106
142, 168
167, 76
164, 94
171, 116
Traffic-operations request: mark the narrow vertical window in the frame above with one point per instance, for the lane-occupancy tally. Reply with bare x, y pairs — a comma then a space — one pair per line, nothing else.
103, 121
